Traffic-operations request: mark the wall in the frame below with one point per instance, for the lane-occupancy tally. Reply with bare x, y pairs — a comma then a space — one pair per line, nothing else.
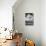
6, 13
30, 32
43, 22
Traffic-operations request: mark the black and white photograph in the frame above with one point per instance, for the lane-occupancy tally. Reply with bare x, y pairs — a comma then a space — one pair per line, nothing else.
29, 19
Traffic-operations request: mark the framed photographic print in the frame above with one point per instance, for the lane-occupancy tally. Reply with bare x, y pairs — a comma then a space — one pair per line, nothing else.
29, 19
